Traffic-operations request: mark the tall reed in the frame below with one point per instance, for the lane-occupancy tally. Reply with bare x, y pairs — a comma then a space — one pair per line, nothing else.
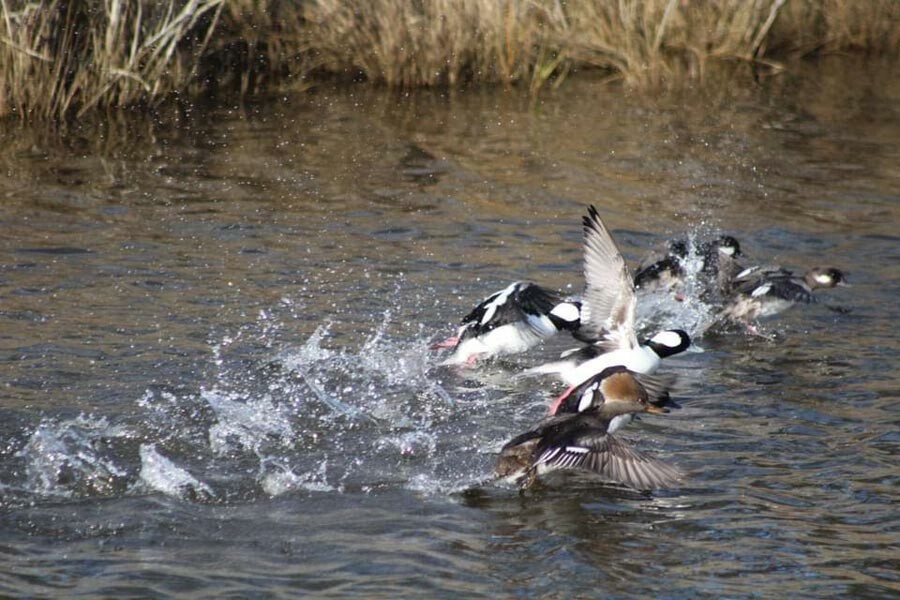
65, 57
59, 58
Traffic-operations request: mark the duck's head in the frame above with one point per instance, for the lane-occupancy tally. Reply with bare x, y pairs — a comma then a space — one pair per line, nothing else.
825, 277
624, 405
615, 383
678, 248
728, 246
669, 342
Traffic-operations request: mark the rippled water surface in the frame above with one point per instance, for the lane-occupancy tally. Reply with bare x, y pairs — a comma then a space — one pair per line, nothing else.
215, 330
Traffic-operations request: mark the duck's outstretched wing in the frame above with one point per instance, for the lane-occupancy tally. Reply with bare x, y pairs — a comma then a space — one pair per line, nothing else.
612, 459
609, 297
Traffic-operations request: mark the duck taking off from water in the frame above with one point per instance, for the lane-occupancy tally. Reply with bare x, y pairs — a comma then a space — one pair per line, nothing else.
616, 383
583, 441
608, 313
760, 292
510, 321
718, 266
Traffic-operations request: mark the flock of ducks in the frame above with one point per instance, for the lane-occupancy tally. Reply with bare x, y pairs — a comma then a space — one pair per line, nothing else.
611, 376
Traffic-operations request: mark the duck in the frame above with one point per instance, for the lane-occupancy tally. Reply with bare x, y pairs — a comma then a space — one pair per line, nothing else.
717, 267
576, 366
582, 441
616, 382
608, 311
665, 271
511, 321
765, 291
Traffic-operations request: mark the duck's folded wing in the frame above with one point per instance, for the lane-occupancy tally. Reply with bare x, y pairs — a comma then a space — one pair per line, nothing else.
545, 311
786, 288
753, 277
500, 308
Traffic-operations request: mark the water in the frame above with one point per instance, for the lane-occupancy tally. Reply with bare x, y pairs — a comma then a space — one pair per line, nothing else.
215, 331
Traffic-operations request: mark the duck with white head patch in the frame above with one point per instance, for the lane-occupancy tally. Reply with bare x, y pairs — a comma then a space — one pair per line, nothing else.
718, 265
510, 321
608, 311
760, 292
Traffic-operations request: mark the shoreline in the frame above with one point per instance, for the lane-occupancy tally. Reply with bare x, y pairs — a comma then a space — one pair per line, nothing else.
63, 60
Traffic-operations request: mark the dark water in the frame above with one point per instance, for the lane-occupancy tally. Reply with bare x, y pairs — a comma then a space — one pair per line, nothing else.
214, 345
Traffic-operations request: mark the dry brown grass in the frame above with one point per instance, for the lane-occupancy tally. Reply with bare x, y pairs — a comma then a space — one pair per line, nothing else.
436, 42
60, 58
871, 26
644, 42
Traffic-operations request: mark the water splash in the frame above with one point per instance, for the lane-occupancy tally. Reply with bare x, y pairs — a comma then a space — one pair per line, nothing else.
160, 474
72, 458
246, 424
408, 444
277, 478
366, 384
312, 417
309, 355
692, 306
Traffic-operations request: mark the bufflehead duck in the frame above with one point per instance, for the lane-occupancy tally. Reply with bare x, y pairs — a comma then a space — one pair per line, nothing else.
616, 383
760, 292
582, 441
662, 271
718, 265
511, 321
608, 309
576, 366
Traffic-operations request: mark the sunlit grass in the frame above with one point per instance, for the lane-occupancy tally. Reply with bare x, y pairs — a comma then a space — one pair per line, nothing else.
61, 58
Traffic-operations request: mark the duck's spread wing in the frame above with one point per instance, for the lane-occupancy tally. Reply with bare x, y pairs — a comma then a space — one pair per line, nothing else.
612, 459
609, 297
522, 303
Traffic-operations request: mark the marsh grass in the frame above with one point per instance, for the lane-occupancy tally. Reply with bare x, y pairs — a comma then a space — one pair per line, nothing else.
59, 58
64, 58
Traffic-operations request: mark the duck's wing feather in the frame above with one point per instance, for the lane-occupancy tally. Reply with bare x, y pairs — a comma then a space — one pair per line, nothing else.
536, 300
546, 311
520, 302
486, 312
546, 426
611, 458
746, 280
785, 288
609, 297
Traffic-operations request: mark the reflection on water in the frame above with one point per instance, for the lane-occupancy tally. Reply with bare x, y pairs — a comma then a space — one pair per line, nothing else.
215, 345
